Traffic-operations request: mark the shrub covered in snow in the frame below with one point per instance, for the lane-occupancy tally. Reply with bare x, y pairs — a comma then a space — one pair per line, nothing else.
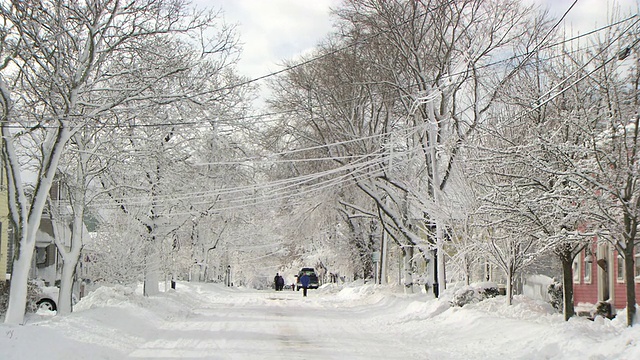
4, 297
603, 309
555, 295
32, 297
474, 293
465, 296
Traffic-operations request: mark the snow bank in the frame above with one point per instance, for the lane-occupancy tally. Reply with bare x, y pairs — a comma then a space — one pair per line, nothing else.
421, 310
522, 308
117, 296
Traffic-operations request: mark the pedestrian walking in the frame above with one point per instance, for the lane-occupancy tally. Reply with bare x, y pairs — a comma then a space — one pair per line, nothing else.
280, 283
304, 281
275, 281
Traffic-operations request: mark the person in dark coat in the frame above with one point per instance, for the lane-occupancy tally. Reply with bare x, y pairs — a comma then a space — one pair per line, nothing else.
275, 281
304, 281
280, 283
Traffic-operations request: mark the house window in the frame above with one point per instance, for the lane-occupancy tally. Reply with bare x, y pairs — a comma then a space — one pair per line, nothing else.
620, 267
41, 256
45, 256
588, 266
576, 269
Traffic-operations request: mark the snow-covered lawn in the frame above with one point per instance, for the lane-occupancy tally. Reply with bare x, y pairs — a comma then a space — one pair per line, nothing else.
210, 321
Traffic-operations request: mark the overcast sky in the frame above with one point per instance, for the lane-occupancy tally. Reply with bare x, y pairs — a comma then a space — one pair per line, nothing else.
273, 30
586, 13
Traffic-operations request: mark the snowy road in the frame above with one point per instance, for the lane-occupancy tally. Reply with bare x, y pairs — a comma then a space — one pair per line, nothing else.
210, 321
271, 325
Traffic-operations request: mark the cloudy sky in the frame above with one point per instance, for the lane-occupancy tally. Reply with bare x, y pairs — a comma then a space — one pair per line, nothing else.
588, 12
273, 30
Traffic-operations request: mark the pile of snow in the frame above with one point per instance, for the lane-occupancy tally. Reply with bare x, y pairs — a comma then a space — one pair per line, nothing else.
522, 308
422, 310
357, 292
116, 296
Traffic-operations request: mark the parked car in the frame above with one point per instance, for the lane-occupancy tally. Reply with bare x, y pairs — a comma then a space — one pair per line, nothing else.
47, 298
313, 278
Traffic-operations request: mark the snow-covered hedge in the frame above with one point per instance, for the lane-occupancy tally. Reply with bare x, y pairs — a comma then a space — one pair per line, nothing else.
474, 293
556, 298
32, 296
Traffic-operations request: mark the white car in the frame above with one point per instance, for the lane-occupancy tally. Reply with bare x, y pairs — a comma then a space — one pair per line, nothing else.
48, 298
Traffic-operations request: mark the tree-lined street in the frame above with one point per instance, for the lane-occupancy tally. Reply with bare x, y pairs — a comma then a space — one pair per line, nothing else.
425, 146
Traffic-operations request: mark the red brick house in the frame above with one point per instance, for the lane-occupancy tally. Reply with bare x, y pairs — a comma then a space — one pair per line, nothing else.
598, 275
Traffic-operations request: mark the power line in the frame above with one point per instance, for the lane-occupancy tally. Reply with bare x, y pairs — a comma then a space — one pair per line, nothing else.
378, 158
525, 60
271, 114
582, 68
317, 176
297, 192
297, 180
538, 103
537, 47
268, 158
269, 196
332, 182
409, 130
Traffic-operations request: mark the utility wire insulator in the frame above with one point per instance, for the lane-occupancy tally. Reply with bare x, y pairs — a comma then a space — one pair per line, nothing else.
622, 54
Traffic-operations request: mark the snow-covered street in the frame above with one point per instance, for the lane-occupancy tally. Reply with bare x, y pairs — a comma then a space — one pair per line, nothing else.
210, 321
267, 325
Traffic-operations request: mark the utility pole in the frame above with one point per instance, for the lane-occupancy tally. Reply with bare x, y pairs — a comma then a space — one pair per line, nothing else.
383, 257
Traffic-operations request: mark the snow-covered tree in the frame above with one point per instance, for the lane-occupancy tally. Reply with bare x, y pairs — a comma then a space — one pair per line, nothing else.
575, 166
74, 179
606, 161
393, 96
114, 254
68, 67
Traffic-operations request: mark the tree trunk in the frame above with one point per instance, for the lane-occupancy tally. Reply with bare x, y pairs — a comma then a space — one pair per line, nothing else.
151, 271
629, 275
567, 287
28, 226
467, 270
408, 271
19, 280
65, 305
509, 286
442, 282
384, 249
151, 283
71, 255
